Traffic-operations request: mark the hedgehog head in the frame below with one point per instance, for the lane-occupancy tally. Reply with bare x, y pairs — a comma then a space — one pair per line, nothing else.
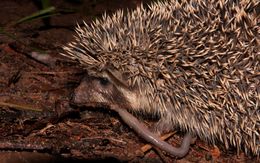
110, 87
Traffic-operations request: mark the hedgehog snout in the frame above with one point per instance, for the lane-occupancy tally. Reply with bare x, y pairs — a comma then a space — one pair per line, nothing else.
81, 94
89, 90
96, 90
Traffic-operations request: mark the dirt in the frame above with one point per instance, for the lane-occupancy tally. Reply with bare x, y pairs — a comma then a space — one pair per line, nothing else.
38, 123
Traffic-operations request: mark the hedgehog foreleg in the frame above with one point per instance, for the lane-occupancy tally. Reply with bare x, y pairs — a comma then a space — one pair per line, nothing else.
138, 127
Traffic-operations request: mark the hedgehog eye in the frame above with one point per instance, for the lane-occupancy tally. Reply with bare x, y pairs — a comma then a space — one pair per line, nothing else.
104, 81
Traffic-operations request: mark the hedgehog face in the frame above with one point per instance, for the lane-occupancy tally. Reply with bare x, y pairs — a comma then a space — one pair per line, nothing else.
105, 90
93, 90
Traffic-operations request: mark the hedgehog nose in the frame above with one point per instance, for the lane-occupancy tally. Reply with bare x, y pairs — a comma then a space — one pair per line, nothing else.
80, 95
74, 98
71, 96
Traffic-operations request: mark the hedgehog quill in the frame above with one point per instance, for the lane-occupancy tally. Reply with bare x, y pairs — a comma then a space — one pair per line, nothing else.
192, 63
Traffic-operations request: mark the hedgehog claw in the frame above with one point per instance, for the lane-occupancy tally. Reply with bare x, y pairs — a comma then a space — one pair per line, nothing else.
130, 120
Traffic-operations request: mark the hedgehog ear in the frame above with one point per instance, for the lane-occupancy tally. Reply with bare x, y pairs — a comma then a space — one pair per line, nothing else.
117, 78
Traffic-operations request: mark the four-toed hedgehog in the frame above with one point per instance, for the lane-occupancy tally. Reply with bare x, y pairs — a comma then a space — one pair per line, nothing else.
193, 63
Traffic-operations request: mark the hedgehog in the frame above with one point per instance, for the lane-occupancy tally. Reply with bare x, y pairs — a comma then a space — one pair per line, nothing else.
194, 64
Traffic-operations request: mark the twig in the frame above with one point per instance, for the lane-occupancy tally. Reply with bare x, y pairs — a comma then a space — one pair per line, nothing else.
22, 146
147, 147
19, 107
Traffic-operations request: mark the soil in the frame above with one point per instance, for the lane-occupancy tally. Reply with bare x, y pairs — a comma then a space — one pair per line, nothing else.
38, 123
